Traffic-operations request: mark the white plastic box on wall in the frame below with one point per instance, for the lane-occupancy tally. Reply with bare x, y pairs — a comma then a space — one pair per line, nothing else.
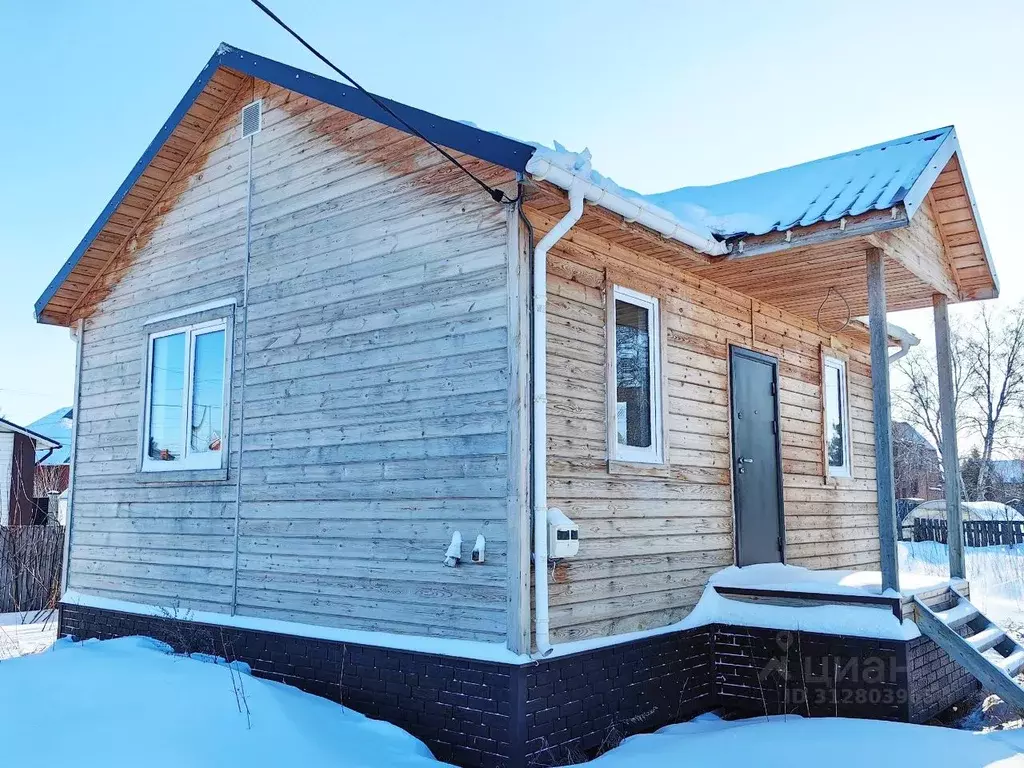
563, 535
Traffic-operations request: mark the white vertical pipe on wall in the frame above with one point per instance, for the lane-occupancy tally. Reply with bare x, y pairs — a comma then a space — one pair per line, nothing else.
540, 415
77, 333
241, 382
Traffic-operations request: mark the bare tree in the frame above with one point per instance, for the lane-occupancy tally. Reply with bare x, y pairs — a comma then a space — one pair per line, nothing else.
988, 386
917, 399
994, 360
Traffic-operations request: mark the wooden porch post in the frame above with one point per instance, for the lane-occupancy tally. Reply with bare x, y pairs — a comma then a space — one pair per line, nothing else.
883, 419
950, 457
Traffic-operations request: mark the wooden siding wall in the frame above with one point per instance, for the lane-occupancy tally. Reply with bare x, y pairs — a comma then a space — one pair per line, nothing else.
377, 390
160, 543
650, 536
920, 248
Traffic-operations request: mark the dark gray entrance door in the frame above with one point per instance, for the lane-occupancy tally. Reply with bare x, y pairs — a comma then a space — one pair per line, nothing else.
757, 460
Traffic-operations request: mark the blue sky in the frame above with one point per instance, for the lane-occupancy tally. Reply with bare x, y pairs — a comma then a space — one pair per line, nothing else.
664, 95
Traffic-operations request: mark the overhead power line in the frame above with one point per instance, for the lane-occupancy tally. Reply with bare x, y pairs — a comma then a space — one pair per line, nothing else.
496, 194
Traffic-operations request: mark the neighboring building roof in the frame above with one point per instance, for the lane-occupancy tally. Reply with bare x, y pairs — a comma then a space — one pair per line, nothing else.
906, 432
971, 510
56, 426
897, 173
1009, 470
848, 184
40, 440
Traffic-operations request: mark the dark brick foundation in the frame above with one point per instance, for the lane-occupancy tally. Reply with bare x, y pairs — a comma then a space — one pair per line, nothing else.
767, 671
560, 710
577, 704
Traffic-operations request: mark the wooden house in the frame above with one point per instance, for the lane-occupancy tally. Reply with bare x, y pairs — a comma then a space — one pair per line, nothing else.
311, 350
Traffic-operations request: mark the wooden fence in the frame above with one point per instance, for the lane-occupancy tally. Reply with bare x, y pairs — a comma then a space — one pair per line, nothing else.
977, 533
31, 557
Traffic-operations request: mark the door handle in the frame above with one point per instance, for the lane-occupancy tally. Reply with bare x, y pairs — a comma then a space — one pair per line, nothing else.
742, 460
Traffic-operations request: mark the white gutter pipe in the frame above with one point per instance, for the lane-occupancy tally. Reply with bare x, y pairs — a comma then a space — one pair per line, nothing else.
905, 338
543, 168
576, 191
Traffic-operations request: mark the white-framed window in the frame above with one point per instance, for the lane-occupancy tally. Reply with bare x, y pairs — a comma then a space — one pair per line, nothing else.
837, 417
185, 411
636, 377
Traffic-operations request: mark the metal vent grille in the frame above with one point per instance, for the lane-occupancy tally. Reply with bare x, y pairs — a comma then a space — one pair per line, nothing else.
252, 118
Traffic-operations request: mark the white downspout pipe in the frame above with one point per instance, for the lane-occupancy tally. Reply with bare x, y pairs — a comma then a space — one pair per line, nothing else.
540, 407
906, 340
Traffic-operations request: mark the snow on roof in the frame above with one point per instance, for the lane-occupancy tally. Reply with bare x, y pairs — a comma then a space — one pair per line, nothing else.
564, 169
872, 178
848, 184
971, 510
56, 426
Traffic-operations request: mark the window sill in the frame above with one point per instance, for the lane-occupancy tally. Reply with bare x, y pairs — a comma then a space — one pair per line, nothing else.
183, 476
639, 468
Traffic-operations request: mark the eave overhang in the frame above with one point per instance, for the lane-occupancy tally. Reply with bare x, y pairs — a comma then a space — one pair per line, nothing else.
68, 288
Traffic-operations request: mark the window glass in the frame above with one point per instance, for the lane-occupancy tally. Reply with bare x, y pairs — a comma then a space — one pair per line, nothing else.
207, 392
635, 399
166, 398
186, 412
837, 443
633, 374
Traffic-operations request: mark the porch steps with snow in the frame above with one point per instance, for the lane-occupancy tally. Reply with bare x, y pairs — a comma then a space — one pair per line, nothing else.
986, 651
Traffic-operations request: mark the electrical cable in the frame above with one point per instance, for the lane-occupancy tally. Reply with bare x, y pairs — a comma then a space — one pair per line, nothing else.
496, 194
849, 313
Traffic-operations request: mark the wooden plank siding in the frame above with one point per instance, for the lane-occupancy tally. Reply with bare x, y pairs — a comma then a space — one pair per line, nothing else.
650, 536
377, 393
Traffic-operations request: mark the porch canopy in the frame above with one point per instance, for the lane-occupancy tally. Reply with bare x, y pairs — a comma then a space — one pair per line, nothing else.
889, 227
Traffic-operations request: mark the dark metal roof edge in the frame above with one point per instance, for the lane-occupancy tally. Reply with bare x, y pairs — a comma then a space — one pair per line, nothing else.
464, 137
491, 147
154, 146
29, 433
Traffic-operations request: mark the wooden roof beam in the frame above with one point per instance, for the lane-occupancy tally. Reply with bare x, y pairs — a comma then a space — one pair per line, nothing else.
816, 234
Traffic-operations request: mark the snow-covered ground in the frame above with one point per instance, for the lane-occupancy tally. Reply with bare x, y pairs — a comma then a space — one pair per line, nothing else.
27, 632
996, 576
836, 742
130, 702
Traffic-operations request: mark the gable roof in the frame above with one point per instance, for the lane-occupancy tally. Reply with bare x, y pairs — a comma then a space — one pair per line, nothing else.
848, 184
898, 174
41, 441
56, 426
905, 432
189, 124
